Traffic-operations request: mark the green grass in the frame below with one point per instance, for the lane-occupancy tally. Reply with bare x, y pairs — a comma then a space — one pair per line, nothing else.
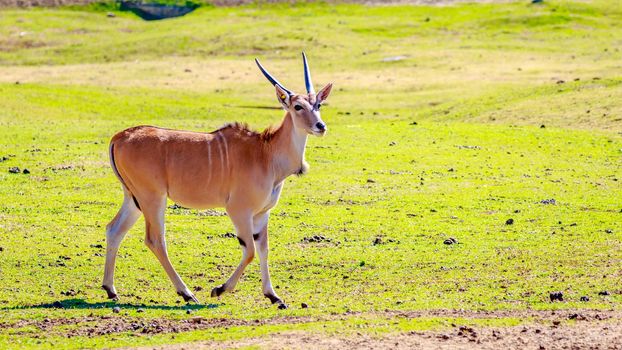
478, 80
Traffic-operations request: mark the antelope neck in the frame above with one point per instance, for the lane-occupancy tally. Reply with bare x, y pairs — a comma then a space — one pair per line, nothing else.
289, 149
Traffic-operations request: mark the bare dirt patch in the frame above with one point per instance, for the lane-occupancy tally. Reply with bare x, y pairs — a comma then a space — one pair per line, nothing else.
590, 330
14, 44
588, 336
571, 326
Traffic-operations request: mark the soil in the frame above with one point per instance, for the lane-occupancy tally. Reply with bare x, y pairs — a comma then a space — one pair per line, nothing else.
567, 329
591, 330
578, 337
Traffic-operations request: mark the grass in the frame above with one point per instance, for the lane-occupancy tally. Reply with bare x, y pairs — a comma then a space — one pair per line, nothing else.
479, 80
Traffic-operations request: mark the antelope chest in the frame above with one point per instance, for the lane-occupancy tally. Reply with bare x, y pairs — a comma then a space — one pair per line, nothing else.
273, 198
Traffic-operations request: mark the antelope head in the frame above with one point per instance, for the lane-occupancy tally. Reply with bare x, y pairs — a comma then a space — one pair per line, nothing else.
304, 108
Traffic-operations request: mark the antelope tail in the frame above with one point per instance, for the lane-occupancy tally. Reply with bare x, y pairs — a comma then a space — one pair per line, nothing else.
116, 172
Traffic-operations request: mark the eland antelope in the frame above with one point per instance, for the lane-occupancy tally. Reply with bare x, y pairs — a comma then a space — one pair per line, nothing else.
232, 167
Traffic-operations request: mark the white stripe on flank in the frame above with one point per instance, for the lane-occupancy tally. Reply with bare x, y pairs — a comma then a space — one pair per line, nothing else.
224, 140
209, 161
222, 165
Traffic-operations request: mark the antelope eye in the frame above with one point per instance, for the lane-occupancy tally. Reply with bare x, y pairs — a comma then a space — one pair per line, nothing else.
298, 107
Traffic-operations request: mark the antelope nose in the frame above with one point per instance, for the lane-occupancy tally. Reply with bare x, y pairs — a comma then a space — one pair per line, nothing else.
320, 126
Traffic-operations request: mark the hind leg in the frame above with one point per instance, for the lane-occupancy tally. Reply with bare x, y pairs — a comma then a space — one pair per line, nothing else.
156, 242
115, 232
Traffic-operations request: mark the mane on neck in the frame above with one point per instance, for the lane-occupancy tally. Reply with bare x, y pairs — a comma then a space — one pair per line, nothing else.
243, 129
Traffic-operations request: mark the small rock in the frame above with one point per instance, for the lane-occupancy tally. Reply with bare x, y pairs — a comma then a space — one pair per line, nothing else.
316, 239
14, 170
229, 235
548, 201
509, 222
378, 240
187, 70
392, 143
116, 309
189, 312
362, 263
140, 310
556, 323
450, 241
304, 305
584, 298
556, 296
609, 230
1, 249
413, 123
371, 181
451, 170
110, 15
604, 293
577, 317
26, 171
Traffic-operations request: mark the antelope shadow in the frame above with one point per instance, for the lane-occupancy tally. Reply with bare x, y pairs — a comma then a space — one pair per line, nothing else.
85, 305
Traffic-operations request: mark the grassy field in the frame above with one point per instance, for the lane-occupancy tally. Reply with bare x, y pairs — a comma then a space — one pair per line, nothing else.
487, 111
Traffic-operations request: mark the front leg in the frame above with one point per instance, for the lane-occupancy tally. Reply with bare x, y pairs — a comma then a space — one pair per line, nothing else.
243, 222
260, 224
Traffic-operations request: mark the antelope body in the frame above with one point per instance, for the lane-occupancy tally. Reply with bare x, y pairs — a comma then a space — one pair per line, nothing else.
233, 167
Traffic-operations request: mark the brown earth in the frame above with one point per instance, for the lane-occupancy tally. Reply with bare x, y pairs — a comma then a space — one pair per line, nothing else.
580, 336
590, 330
565, 329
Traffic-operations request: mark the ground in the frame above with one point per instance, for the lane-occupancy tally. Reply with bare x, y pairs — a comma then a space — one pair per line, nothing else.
469, 184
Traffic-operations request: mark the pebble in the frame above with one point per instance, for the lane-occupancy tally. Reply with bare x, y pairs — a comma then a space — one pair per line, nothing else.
556, 296
116, 309
450, 241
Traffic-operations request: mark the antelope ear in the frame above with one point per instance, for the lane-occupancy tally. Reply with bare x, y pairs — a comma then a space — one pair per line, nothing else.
282, 96
323, 94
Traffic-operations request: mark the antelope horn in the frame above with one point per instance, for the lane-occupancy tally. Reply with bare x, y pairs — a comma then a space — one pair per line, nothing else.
271, 78
308, 82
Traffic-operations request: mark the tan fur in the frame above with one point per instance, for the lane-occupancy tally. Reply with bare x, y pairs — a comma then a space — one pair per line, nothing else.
232, 167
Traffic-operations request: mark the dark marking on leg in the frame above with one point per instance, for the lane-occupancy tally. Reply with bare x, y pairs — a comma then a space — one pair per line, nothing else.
136, 202
242, 243
273, 299
216, 292
256, 236
111, 294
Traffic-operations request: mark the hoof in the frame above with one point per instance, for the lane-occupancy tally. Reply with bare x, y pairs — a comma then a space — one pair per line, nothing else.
111, 295
188, 297
274, 299
282, 306
216, 292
